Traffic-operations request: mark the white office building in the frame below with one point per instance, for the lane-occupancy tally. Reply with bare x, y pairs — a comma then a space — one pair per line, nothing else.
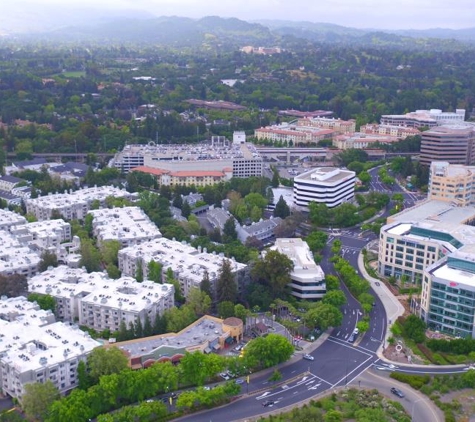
74, 205
189, 264
324, 185
308, 278
35, 348
99, 302
128, 225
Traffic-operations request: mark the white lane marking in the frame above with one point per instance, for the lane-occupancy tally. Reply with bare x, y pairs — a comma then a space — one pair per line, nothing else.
346, 376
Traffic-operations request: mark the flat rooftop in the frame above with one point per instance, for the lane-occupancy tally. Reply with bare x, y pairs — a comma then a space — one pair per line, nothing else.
10, 218
15, 255
325, 175
298, 251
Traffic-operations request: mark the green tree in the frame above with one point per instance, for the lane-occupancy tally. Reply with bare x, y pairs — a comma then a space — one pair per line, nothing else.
185, 209
199, 301
335, 297
48, 259
275, 179
83, 377
46, 302
155, 271
229, 230
113, 271
226, 289
414, 328
90, 256
281, 209
225, 309
264, 352
110, 251
323, 316
276, 376
316, 240
102, 361
38, 398
241, 312
273, 271
139, 271
177, 200
363, 326
205, 285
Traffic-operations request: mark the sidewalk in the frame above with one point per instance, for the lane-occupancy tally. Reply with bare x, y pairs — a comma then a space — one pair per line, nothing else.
391, 304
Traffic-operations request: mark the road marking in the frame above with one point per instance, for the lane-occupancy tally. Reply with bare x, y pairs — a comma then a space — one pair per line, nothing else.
295, 392
285, 387
263, 395
346, 376
310, 382
345, 344
315, 387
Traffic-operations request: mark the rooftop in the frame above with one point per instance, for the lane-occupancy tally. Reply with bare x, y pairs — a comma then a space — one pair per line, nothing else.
325, 174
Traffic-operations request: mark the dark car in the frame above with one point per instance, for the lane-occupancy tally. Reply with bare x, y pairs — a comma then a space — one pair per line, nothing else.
397, 392
268, 403
352, 338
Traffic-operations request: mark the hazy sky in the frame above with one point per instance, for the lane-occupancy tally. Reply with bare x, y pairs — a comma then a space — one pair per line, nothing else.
389, 14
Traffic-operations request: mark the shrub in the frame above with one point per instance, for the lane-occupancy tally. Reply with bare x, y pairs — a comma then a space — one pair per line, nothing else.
415, 381
438, 359
427, 353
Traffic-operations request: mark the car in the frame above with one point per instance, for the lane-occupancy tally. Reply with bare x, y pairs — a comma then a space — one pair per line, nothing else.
377, 283
225, 376
149, 401
397, 392
352, 338
206, 388
308, 357
238, 348
240, 381
356, 331
268, 403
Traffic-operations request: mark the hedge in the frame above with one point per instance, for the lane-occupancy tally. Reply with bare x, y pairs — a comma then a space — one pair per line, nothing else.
415, 381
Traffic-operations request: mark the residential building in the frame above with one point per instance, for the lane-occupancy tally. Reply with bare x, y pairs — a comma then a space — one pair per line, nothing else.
308, 278
293, 135
262, 230
357, 140
44, 235
10, 198
7, 183
400, 132
36, 348
17, 257
217, 217
452, 183
36, 164
189, 264
452, 143
208, 334
325, 185
10, 219
128, 225
99, 302
424, 118
74, 205
337, 125
220, 155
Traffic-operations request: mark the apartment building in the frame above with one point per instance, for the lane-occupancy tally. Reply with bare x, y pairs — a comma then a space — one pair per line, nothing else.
99, 302
17, 257
400, 132
262, 230
424, 118
308, 278
7, 183
453, 183
337, 125
294, 135
128, 225
43, 235
452, 143
10, 219
189, 264
326, 185
358, 140
76, 204
36, 348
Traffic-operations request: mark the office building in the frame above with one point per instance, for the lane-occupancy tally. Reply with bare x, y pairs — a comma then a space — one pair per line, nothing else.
99, 302
74, 205
308, 278
128, 225
36, 348
452, 143
324, 185
453, 183
189, 264
424, 118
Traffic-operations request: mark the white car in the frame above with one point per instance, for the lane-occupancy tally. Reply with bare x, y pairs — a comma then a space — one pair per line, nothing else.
225, 376
308, 357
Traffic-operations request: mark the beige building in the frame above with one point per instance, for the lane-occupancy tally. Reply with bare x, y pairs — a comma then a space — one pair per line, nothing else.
362, 141
295, 135
338, 125
452, 183
400, 132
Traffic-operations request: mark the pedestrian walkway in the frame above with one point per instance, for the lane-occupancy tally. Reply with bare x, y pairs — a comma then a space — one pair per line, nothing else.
391, 304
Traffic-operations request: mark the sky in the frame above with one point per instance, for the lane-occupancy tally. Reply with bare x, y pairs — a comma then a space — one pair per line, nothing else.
378, 14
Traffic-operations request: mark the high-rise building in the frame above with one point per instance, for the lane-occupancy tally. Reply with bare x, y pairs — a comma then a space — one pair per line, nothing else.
453, 183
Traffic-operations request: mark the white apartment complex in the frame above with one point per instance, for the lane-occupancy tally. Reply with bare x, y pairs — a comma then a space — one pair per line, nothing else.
75, 204
35, 348
10, 219
188, 263
220, 155
421, 118
308, 278
99, 302
45, 235
327, 185
129, 225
